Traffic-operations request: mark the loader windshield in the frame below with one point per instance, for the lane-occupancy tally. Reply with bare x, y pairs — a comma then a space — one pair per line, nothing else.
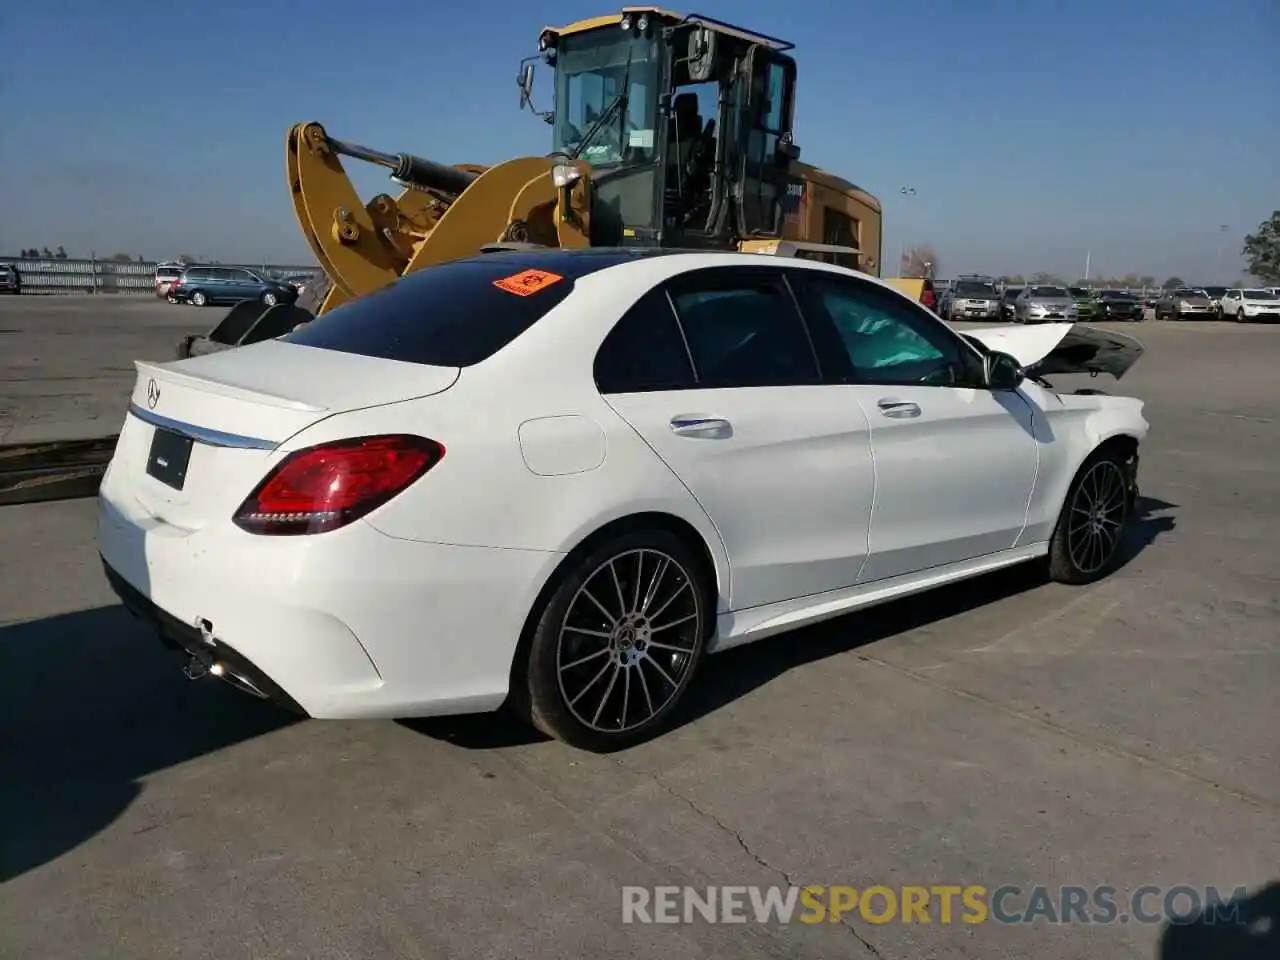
592, 69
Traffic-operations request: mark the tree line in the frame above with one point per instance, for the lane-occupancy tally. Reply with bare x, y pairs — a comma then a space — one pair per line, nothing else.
38, 253
1261, 250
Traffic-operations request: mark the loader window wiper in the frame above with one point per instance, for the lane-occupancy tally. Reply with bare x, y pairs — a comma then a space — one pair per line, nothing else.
617, 105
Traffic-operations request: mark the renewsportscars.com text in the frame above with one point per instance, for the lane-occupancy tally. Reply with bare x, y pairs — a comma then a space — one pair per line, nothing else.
936, 903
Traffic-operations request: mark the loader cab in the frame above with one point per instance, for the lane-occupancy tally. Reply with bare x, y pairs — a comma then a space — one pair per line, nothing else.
685, 121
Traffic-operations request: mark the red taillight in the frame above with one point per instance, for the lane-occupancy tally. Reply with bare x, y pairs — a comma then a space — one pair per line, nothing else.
328, 486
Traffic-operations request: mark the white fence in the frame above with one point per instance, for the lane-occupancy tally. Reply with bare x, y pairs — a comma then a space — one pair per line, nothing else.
137, 278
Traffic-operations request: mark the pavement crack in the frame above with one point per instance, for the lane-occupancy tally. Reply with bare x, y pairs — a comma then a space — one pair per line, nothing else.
1105, 746
741, 841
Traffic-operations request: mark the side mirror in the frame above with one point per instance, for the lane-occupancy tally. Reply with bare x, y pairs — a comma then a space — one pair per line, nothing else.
1001, 371
525, 80
787, 149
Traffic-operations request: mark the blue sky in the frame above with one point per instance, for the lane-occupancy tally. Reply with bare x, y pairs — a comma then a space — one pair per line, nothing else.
1033, 132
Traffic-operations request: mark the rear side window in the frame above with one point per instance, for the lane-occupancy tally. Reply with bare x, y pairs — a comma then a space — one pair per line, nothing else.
645, 351
745, 331
450, 315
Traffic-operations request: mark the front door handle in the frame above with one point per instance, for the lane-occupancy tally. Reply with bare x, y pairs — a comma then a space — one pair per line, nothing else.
709, 428
898, 409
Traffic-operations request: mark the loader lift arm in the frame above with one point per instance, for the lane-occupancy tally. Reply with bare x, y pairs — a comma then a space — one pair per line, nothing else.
442, 213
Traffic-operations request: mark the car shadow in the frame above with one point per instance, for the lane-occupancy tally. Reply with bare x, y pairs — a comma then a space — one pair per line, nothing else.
90, 703
1248, 929
735, 673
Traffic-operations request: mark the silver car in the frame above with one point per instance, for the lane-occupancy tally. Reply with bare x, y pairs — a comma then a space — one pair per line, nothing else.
1041, 303
1185, 302
971, 298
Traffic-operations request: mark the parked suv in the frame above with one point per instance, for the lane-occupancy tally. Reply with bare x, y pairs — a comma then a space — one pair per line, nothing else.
203, 286
10, 279
971, 298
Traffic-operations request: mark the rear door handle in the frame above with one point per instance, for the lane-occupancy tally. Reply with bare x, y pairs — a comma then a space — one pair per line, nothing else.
709, 428
898, 409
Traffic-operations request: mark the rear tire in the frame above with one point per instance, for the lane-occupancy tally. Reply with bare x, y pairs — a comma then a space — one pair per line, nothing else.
618, 641
199, 299
1086, 542
1240, 316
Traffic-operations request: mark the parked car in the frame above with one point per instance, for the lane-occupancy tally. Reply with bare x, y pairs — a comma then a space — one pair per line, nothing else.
10, 279
1007, 298
298, 281
971, 298
1215, 295
204, 286
1250, 304
1119, 305
1185, 302
397, 511
1041, 303
1086, 303
166, 273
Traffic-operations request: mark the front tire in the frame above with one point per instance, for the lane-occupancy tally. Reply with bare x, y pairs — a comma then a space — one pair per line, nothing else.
1240, 316
1095, 514
269, 299
619, 640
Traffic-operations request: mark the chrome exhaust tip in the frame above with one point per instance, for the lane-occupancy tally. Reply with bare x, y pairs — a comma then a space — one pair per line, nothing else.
243, 684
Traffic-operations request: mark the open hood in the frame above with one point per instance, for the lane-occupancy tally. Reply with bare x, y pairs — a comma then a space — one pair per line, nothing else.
1048, 348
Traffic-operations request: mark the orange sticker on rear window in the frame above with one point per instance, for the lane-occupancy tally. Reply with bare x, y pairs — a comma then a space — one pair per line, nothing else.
527, 282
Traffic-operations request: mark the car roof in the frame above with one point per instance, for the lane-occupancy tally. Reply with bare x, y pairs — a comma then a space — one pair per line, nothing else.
656, 264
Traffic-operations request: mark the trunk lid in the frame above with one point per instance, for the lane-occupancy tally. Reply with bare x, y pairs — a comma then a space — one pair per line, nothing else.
1045, 349
235, 408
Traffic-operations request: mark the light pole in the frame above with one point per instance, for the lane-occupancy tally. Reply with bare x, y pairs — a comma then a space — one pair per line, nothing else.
1217, 265
902, 242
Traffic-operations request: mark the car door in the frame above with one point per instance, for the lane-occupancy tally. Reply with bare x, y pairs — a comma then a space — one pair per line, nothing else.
242, 285
955, 462
779, 459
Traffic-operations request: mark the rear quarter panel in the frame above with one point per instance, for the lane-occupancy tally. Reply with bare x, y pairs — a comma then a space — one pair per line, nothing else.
585, 467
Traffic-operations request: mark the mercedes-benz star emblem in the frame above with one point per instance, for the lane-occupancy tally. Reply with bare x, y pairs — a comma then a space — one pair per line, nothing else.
153, 393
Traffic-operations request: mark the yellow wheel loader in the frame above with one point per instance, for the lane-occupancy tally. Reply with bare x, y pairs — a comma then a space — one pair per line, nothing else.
667, 130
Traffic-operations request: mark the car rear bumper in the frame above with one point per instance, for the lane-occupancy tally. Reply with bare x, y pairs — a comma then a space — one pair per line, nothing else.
347, 624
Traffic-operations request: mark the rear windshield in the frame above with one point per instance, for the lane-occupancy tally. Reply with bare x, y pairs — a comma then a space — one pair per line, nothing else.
1048, 292
450, 315
168, 273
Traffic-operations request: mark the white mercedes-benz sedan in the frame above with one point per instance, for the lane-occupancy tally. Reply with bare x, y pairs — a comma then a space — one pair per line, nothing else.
557, 479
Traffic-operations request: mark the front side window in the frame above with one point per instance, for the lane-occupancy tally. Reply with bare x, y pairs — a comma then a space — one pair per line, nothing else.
592, 70
887, 340
744, 331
